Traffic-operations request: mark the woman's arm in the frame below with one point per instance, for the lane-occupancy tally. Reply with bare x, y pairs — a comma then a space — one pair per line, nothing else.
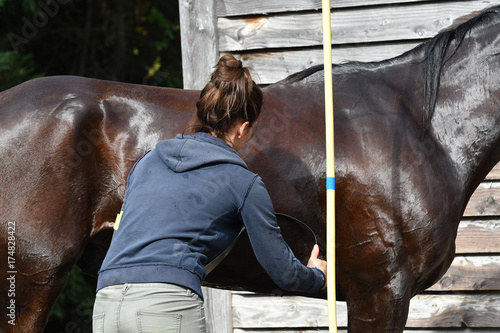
271, 250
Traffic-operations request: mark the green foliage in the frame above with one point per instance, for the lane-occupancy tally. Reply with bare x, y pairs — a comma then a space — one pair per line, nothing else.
169, 29
129, 41
164, 69
27, 4
16, 68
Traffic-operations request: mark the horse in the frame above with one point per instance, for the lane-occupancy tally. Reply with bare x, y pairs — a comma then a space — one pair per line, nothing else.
414, 136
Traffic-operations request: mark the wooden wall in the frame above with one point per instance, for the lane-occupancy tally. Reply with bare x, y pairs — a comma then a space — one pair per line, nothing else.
280, 37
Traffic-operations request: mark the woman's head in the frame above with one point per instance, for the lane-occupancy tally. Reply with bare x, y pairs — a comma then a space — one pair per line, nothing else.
228, 98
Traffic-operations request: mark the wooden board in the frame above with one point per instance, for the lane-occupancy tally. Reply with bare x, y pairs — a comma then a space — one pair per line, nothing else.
200, 35
495, 173
426, 311
471, 273
250, 311
245, 7
485, 200
218, 310
359, 25
270, 67
200, 51
455, 311
325, 330
478, 236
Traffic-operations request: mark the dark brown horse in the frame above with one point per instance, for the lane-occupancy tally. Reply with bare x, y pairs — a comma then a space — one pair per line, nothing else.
414, 137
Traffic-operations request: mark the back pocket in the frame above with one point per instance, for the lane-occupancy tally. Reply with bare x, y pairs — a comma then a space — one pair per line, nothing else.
156, 322
98, 323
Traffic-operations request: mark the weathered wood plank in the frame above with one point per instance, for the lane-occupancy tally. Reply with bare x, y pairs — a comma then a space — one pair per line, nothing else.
245, 7
348, 26
478, 236
471, 273
255, 311
199, 41
270, 67
426, 311
455, 311
485, 200
325, 330
495, 173
279, 330
218, 312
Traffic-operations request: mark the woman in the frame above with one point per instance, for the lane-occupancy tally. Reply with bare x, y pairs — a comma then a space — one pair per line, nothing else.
186, 202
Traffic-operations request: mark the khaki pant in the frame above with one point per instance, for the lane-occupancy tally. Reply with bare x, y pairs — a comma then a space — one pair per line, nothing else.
148, 307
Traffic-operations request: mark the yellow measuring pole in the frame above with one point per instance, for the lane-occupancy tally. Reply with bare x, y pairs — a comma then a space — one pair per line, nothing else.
330, 169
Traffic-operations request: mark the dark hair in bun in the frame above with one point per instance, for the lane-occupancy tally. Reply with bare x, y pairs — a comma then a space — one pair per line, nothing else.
228, 97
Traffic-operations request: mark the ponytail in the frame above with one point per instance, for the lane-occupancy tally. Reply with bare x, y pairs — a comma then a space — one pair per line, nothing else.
230, 96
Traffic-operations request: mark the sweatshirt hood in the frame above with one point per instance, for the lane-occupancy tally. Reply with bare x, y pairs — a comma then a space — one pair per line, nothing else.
187, 152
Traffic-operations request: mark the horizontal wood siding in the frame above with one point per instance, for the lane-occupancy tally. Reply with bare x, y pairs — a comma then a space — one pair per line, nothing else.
341, 330
380, 26
471, 273
272, 66
485, 201
277, 38
478, 236
245, 7
426, 311
350, 26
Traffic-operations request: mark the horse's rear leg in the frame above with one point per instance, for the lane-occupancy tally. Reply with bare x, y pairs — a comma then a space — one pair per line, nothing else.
34, 296
41, 260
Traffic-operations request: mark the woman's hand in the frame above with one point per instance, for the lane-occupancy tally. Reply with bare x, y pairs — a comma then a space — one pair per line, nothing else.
314, 262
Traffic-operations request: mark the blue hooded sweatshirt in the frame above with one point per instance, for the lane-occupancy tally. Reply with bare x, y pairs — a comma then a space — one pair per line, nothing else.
185, 203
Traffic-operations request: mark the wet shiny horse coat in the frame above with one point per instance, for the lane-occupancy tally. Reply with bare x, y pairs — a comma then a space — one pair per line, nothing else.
414, 137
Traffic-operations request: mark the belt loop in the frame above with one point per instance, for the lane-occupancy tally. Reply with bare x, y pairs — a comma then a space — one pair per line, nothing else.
126, 287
